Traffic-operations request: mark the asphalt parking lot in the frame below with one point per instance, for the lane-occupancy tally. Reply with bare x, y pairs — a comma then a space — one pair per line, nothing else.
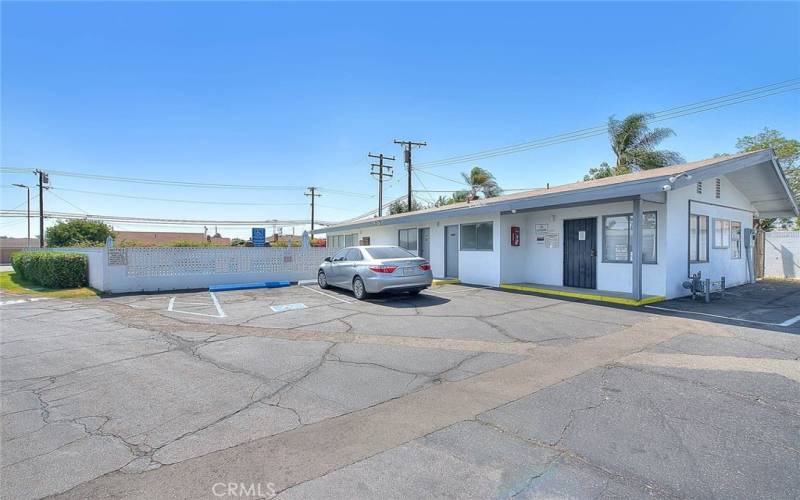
459, 392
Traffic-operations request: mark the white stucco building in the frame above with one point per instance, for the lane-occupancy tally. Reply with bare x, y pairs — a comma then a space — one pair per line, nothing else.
639, 235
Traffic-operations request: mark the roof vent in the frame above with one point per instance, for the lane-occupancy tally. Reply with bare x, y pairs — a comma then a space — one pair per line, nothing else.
700, 188
718, 188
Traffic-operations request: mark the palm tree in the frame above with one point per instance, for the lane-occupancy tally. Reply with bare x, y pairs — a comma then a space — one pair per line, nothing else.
635, 144
481, 181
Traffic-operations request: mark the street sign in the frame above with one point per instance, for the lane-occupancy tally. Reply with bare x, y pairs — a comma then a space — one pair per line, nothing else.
259, 237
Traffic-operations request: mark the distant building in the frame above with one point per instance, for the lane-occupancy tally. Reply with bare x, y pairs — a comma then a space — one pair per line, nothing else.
12, 245
148, 238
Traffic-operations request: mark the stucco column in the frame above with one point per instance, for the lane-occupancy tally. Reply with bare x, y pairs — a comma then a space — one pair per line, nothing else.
636, 248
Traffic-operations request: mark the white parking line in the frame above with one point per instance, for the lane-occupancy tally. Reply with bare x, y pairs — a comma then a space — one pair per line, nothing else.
215, 303
788, 322
328, 295
22, 301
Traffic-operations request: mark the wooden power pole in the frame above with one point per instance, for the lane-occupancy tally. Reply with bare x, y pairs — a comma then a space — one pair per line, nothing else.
312, 192
383, 171
407, 145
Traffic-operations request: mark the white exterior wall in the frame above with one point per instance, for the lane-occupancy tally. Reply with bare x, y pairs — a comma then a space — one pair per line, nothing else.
479, 267
731, 205
533, 262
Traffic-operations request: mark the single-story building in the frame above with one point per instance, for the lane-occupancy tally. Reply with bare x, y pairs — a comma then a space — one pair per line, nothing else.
637, 236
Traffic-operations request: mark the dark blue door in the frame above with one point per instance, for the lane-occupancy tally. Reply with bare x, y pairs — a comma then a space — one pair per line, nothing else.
580, 253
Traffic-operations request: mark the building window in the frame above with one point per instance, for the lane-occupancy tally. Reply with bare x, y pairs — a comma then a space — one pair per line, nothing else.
407, 238
736, 240
617, 238
699, 188
351, 240
698, 238
718, 188
722, 233
479, 236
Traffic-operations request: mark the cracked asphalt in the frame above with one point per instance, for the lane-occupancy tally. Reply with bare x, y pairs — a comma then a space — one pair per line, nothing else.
459, 392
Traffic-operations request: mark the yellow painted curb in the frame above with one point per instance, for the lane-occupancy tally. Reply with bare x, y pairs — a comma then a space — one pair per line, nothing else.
585, 296
446, 281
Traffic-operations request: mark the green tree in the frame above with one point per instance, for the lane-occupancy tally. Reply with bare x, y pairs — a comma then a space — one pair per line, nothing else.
635, 144
401, 207
787, 151
78, 232
601, 172
457, 197
481, 181
237, 242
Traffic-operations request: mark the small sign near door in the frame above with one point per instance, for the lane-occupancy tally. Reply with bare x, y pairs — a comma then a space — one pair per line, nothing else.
581, 235
514, 236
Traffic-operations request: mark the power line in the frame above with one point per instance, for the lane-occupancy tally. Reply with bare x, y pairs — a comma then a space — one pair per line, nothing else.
67, 202
189, 184
171, 200
147, 220
667, 114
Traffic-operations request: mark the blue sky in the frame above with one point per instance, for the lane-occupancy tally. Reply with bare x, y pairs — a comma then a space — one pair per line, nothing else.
297, 94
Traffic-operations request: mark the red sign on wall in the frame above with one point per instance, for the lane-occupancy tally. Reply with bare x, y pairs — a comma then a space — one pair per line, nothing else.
514, 236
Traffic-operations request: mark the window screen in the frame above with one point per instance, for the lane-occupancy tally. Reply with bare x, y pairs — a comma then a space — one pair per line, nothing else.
617, 245
407, 238
736, 240
722, 233
698, 238
479, 236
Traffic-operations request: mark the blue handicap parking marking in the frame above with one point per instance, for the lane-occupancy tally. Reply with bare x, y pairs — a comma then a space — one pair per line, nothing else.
287, 307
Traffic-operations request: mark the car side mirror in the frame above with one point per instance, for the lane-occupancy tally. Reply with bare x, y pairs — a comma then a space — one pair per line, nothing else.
327, 259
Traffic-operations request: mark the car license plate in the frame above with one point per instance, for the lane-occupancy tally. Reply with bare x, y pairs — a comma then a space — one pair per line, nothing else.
411, 271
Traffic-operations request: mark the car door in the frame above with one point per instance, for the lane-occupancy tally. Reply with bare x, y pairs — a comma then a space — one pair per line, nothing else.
349, 267
335, 267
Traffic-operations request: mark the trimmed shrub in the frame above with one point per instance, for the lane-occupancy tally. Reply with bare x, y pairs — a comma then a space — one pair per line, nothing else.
52, 269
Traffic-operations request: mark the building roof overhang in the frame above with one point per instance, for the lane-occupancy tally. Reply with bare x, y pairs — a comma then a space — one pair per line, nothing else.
757, 175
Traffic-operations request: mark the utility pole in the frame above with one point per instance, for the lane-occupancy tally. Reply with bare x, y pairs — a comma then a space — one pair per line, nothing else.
407, 145
43, 179
313, 194
381, 174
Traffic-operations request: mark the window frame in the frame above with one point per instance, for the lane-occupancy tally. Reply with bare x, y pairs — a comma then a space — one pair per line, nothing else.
630, 229
738, 247
354, 240
475, 225
356, 250
697, 241
409, 230
344, 252
723, 244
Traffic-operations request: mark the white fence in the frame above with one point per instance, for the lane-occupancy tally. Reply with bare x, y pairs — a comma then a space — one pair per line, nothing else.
782, 254
119, 270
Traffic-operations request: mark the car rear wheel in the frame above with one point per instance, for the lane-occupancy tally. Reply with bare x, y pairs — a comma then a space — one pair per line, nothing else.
322, 280
359, 291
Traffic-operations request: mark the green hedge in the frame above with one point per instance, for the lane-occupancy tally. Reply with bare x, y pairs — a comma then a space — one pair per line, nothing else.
52, 269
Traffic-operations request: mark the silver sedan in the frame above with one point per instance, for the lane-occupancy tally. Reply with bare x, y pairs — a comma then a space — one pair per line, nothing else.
374, 269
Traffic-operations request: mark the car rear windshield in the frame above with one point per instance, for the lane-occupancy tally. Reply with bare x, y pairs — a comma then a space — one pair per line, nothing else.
380, 253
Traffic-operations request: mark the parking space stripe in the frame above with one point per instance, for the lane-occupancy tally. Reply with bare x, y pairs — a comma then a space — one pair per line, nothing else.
328, 295
216, 304
788, 322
